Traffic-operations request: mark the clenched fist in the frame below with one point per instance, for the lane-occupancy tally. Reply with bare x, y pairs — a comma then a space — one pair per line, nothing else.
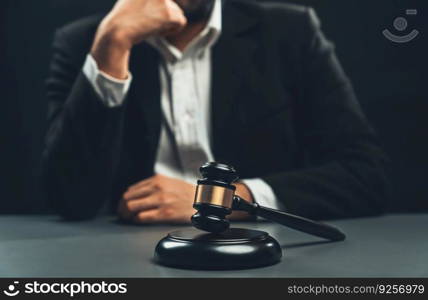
161, 199
127, 24
131, 21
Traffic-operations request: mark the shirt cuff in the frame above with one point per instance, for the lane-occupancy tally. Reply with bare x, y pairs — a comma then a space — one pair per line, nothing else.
112, 91
263, 193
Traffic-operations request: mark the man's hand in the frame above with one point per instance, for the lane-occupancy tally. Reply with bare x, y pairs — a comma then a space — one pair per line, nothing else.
127, 24
159, 199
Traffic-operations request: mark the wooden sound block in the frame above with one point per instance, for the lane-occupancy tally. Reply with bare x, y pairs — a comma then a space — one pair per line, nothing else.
235, 248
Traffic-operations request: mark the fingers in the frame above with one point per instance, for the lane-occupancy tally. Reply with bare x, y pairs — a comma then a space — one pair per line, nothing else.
141, 192
147, 217
142, 183
177, 12
136, 206
177, 20
128, 209
123, 211
158, 199
144, 188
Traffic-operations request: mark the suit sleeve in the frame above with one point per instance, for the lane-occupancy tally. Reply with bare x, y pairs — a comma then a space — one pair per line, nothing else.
83, 137
344, 172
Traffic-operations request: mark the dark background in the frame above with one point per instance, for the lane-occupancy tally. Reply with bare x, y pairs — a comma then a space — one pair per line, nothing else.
390, 79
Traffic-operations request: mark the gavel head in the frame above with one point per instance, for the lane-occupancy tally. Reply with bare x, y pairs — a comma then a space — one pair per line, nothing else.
214, 197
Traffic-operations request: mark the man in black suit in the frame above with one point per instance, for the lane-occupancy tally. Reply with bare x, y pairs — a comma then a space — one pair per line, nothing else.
141, 97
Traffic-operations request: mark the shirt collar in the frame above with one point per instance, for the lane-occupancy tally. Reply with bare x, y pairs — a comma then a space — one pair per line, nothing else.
205, 40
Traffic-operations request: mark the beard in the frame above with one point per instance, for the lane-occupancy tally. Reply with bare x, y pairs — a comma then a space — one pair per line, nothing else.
196, 11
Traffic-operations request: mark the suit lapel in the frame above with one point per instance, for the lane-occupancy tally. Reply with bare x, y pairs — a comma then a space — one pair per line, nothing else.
231, 59
145, 95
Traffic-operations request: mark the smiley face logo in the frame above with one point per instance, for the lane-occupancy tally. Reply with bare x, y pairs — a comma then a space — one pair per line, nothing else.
11, 290
400, 24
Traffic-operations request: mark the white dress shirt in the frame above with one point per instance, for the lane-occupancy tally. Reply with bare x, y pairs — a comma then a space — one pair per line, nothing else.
185, 78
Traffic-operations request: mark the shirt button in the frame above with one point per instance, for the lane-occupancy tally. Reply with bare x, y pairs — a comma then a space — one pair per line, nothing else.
187, 117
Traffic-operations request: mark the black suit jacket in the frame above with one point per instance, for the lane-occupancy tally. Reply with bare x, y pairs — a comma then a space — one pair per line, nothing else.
282, 109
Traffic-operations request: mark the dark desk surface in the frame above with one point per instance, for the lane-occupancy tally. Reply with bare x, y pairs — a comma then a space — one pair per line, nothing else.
43, 246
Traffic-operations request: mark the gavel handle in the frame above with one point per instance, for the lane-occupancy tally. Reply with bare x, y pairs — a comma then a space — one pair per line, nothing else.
298, 223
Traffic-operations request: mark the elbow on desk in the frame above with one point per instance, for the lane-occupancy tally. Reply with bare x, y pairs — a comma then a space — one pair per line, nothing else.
69, 210
70, 206
376, 191
73, 202
376, 207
